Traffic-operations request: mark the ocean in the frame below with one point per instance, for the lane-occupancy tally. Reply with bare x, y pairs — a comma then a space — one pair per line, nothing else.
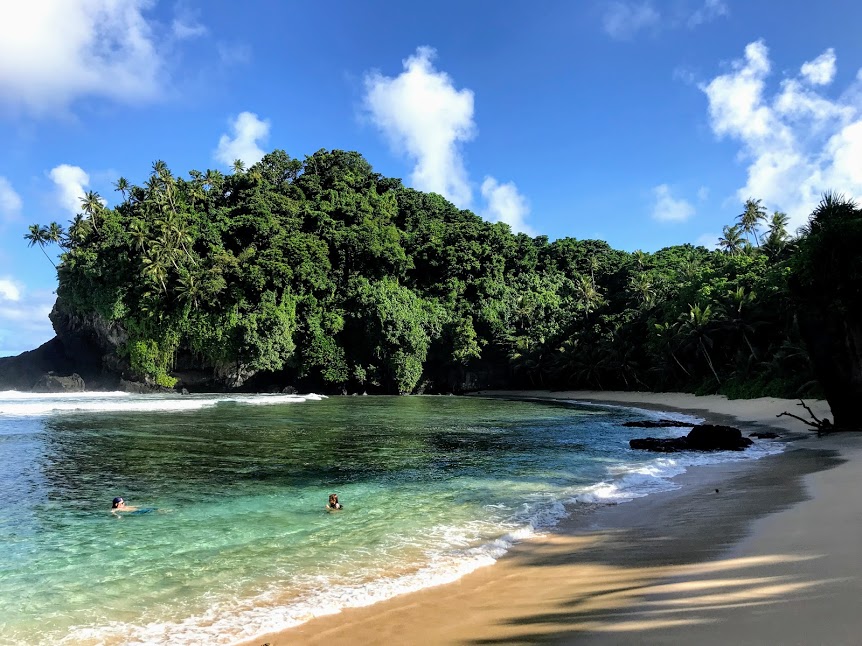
235, 541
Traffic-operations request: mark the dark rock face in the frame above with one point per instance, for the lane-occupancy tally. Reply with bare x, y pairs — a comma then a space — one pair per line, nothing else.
703, 437
143, 388
661, 423
53, 383
288, 390
21, 372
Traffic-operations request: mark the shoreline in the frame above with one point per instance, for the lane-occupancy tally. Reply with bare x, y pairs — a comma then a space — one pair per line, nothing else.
699, 564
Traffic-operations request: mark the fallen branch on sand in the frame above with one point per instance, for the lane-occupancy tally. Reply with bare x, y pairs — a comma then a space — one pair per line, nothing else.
823, 426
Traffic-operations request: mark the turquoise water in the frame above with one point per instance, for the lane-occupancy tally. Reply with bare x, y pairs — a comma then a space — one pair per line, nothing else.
239, 542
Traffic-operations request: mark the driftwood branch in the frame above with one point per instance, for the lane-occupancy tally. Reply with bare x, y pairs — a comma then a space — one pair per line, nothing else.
822, 426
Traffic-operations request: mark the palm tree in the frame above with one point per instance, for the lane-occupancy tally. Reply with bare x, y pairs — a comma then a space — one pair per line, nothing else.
731, 240
78, 230
641, 284
138, 234
38, 234
188, 289
92, 205
587, 293
155, 269
695, 327
640, 258
122, 185
778, 226
750, 218
668, 340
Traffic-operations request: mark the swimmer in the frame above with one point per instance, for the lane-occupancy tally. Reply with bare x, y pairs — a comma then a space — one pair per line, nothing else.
119, 504
333, 503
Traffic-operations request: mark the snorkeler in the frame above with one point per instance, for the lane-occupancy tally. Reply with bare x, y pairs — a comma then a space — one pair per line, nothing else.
333, 503
119, 504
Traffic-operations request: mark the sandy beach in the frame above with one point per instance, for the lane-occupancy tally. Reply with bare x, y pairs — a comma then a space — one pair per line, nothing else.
756, 552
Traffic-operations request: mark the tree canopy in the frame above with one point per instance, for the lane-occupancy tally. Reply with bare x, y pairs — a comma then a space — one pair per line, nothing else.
327, 275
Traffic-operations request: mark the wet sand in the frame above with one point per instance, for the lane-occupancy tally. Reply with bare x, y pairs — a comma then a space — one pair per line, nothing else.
757, 552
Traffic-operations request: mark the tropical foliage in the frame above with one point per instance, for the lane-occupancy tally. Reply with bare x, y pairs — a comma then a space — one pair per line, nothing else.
325, 274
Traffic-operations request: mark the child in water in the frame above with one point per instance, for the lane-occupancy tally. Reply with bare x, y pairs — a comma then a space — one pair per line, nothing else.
119, 504
333, 503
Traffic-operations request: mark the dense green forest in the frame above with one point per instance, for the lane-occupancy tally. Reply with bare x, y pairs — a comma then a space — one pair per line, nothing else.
324, 274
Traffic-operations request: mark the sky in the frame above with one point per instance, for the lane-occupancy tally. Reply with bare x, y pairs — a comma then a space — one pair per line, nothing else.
646, 123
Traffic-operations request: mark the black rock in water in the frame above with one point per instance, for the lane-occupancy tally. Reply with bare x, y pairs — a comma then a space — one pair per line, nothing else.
53, 383
703, 437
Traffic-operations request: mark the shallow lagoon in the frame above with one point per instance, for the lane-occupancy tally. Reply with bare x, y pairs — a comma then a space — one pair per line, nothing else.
240, 544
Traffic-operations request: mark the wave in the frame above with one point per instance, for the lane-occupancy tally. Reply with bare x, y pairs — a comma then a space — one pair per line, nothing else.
18, 404
237, 620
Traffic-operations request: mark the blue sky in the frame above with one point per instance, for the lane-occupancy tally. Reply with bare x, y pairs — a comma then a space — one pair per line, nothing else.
644, 123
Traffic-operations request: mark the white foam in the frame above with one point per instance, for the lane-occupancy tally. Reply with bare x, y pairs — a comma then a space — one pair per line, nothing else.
238, 620
87, 394
36, 404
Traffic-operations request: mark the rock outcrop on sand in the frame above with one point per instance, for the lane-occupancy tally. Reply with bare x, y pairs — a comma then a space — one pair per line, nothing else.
703, 437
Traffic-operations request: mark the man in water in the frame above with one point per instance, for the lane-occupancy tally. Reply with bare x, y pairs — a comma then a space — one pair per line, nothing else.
333, 503
119, 504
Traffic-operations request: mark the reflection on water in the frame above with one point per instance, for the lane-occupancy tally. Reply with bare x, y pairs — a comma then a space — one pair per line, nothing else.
241, 541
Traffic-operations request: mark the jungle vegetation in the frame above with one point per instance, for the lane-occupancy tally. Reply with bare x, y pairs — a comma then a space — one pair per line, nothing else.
333, 277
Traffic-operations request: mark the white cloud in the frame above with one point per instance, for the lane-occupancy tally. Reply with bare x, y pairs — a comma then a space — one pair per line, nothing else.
9, 289
24, 322
10, 201
710, 10
184, 30
797, 143
505, 204
703, 193
667, 208
622, 20
52, 53
247, 130
71, 182
821, 70
426, 117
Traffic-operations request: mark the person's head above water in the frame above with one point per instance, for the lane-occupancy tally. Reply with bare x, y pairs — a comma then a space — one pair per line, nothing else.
117, 502
333, 499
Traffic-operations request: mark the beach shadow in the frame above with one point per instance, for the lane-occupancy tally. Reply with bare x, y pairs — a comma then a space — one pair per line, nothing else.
671, 577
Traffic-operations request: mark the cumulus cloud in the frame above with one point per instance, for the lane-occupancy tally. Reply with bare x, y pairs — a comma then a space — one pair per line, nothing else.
24, 322
821, 70
622, 20
10, 201
246, 130
505, 204
798, 143
667, 208
71, 182
9, 289
52, 53
425, 117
